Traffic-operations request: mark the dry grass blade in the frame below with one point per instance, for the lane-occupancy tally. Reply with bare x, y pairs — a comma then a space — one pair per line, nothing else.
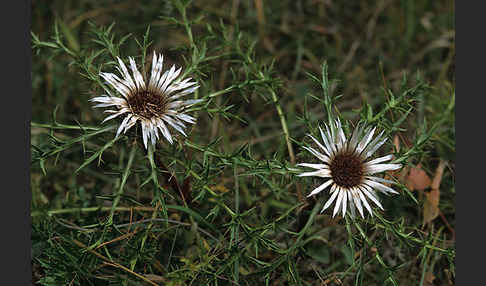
109, 262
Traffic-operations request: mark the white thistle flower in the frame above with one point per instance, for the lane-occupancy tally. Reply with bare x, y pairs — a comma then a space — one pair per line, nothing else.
347, 168
155, 102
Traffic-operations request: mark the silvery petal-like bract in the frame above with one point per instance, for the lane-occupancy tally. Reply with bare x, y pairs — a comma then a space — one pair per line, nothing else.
346, 167
154, 101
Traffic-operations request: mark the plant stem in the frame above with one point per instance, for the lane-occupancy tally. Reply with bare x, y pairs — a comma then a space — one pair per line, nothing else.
236, 226
285, 129
122, 184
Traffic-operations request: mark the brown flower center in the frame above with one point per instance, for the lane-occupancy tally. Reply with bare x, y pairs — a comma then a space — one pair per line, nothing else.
147, 104
346, 170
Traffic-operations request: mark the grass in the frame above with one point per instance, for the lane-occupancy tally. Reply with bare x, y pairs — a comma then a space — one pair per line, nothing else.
223, 206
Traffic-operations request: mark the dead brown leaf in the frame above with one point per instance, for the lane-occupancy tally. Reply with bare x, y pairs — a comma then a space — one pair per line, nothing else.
429, 277
417, 179
396, 143
438, 175
431, 204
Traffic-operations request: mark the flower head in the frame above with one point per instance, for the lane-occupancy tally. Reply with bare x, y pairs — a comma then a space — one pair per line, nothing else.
347, 168
155, 102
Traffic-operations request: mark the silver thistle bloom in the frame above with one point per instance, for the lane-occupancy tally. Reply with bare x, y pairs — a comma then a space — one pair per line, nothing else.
155, 102
347, 168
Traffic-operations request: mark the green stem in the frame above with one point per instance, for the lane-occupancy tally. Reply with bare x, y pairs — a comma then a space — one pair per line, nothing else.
87, 209
377, 255
62, 126
122, 184
314, 212
187, 26
236, 226
285, 129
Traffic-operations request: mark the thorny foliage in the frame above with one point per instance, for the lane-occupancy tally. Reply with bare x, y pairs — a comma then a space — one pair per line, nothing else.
222, 206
